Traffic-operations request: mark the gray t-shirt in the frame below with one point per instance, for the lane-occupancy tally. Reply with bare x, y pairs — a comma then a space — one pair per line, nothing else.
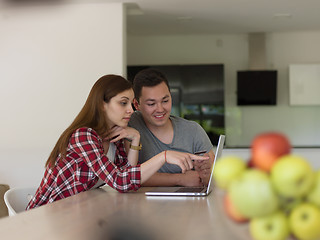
188, 136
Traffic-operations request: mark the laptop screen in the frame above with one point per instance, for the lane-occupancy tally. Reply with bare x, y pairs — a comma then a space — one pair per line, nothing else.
217, 155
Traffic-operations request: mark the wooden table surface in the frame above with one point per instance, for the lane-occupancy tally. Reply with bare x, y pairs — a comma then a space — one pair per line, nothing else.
107, 214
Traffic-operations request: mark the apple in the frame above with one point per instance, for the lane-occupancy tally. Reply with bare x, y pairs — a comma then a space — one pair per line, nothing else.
292, 176
231, 211
266, 148
250, 164
304, 221
226, 169
271, 227
314, 195
252, 194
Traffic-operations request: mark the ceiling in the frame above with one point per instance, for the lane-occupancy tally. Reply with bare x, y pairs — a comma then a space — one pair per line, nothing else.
162, 17
167, 17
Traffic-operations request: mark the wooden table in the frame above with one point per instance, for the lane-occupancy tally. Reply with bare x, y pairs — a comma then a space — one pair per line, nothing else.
105, 213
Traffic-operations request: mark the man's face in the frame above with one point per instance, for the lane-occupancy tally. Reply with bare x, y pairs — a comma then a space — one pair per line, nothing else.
155, 105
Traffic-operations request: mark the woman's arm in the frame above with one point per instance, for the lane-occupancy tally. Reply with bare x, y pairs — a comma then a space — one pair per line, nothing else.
182, 159
86, 143
132, 142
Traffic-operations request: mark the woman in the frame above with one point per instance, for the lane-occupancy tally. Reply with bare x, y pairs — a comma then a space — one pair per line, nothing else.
98, 148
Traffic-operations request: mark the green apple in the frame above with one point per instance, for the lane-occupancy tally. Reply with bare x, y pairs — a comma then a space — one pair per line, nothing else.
304, 221
314, 195
292, 176
228, 168
252, 194
271, 227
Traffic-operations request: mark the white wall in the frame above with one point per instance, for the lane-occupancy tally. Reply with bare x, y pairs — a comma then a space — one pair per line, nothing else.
49, 58
300, 124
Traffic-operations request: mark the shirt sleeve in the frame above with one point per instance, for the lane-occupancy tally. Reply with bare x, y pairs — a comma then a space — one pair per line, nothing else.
121, 156
201, 139
88, 146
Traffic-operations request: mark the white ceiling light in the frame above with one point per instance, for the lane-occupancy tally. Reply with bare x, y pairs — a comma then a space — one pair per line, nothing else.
282, 15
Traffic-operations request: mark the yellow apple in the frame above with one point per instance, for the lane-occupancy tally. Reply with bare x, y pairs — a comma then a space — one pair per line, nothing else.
314, 195
292, 176
304, 221
271, 227
228, 168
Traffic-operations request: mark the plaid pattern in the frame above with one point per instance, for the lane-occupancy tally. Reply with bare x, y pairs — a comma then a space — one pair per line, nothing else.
84, 164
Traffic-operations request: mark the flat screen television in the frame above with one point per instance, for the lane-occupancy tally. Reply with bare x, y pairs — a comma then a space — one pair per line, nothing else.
257, 87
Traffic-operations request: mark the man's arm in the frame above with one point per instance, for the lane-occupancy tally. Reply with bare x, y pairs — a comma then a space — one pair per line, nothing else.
189, 179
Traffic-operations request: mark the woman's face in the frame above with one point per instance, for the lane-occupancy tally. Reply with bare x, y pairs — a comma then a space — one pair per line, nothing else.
119, 109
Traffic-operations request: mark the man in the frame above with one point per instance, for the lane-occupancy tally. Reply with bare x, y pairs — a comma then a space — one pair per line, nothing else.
160, 131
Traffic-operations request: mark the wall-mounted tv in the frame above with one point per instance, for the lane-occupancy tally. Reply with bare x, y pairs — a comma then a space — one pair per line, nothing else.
257, 87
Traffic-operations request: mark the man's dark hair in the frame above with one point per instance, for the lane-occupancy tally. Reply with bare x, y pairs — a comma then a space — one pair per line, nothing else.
147, 78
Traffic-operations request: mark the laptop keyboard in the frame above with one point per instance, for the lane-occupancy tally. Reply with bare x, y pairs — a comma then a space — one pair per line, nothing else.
190, 189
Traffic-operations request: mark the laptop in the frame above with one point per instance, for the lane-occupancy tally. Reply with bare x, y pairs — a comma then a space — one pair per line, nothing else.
190, 191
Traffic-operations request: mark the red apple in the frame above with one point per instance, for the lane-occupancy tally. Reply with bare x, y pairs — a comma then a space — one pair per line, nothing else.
266, 148
250, 164
231, 211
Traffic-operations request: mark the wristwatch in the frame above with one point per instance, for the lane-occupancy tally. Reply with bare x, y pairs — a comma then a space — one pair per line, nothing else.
136, 147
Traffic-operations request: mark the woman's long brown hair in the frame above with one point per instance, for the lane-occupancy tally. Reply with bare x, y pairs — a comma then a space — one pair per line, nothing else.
92, 114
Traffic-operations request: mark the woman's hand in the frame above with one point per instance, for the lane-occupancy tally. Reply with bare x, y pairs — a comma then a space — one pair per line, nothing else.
132, 136
182, 159
116, 133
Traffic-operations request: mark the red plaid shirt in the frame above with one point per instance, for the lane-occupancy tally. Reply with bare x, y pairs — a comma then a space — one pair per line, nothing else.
84, 164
